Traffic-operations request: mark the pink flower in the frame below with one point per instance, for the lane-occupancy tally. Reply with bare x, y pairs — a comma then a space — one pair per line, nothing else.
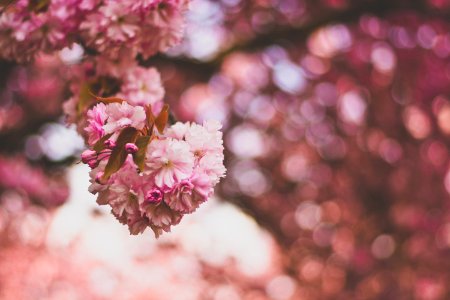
211, 164
142, 86
154, 196
206, 138
187, 195
136, 223
203, 186
70, 109
180, 197
122, 188
117, 67
169, 161
163, 28
95, 187
120, 24
161, 217
111, 27
96, 118
181, 168
133, 218
177, 130
118, 196
121, 115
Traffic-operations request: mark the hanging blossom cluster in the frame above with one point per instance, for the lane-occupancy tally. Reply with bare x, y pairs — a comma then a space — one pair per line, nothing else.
28, 27
140, 86
150, 174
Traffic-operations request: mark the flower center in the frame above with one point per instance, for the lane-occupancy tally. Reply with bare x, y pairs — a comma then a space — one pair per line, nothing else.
167, 163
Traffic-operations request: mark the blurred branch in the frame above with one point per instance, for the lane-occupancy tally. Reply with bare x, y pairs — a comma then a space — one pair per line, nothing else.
290, 34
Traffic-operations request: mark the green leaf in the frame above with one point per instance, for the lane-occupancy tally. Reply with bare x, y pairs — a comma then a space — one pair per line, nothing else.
100, 145
162, 118
119, 155
139, 157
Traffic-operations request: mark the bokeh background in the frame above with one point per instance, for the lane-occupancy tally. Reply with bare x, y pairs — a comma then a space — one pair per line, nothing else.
336, 121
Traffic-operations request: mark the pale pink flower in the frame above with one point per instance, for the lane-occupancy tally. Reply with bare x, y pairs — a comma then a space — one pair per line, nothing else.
203, 186
180, 198
88, 5
164, 27
137, 223
204, 139
211, 164
121, 115
159, 39
96, 187
118, 196
70, 109
96, 118
177, 130
133, 218
142, 86
188, 194
169, 161
161, 217
121, 189
119, 23
116, 67
111, 28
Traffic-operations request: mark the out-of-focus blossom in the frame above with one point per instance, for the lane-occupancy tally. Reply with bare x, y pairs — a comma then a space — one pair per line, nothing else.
17, 174
142, 87
107, 26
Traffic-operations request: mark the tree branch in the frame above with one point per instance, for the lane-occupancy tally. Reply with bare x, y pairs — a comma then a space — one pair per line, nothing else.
290, 35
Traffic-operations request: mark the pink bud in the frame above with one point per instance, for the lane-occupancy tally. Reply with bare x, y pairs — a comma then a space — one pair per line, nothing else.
93, 164
110, 144
88, 156
154, 196
104, 154
131, 148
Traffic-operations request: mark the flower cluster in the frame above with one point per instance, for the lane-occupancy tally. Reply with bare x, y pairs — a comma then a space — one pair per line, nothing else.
150, 175
140, 85
106, 26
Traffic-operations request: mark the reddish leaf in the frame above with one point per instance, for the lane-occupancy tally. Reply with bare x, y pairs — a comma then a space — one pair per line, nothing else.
100, 145
107, 100
162, 118
38, 5
85, 99
139, 157
150, 116
119, 155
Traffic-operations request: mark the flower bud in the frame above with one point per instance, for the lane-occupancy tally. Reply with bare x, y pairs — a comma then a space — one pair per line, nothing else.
93, 164
110, 144
154, 196
131, 148
104, 154
89, 157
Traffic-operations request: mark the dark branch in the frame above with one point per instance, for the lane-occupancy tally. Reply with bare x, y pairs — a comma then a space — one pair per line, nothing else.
293, 35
